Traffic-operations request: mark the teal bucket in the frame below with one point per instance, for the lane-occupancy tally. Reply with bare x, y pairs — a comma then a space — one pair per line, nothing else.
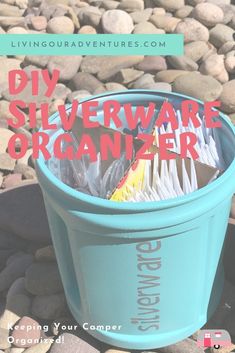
141, 275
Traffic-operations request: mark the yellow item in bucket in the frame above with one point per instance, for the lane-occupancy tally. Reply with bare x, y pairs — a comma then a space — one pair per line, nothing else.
131, 182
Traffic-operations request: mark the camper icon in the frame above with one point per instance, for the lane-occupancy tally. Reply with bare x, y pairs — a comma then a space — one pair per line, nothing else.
213, 338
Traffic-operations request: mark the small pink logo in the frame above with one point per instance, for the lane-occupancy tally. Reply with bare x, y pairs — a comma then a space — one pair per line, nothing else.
213, 338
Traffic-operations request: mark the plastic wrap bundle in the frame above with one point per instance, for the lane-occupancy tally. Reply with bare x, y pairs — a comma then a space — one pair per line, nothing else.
90, 177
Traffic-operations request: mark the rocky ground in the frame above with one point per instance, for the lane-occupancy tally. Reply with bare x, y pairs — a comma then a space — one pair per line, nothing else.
30, 286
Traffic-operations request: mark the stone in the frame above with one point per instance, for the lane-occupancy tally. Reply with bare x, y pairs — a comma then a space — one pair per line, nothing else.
110, 4
17, 288
6, 66
11, 241
73, 344
126, 76
18, 304
49, 307
23, 337
39, 23
230, 324
106, 68
72, 14
14, 256
43, 279
61, 92
223, 76
192, 30
8, 21
79, 95
87, 30
141, 16
232, 23
131, 5
230, 62
101, 89
45, 254
15, 204
14, 270
182, 63
54, 106
11, 316
53, 11
4, 116
24, 131
39, 61
184, 12
85, 81
219, 2
227, 47
196, 50
5, 137
114, 86
232, 118
208, 14
227, 97
4, 344
211, 51
17, 30
22, 4
143, 82
90, 15
5, 254
91, 64
152, 64
6, 162
16, 350
42, 347
147, 28
205, 88
26, 171
32, 31
117, 22
26, 95
213, 65
169, 76
185, 346
228, 12
160, 86
159, 11
60, 25
3, 123
10, 11
68, 66
220, 34
170, 5
12, 180
56, 2
166, 23
27, 157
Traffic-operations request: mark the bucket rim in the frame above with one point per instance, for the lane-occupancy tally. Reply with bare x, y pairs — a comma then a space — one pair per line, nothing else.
127, 205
